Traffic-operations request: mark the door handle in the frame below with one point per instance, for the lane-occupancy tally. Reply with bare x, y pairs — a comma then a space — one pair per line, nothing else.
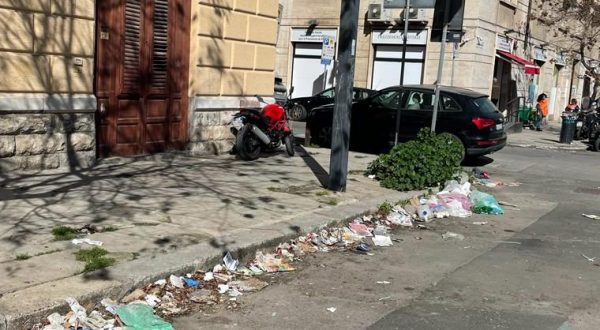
102, 109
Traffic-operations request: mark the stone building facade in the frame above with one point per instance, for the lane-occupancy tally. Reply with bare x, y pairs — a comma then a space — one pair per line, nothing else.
77, 86
489, 27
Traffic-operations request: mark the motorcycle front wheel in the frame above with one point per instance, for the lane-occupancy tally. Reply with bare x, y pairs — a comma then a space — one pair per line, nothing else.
247, 144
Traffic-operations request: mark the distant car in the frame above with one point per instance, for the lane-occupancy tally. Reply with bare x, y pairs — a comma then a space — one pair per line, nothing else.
301, 106
466, 115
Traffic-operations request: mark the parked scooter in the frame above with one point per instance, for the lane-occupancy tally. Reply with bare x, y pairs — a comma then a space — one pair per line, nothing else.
258, 130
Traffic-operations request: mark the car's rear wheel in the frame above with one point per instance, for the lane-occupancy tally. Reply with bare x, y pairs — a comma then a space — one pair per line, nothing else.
456, 140
324, 136
297, 112
597, 144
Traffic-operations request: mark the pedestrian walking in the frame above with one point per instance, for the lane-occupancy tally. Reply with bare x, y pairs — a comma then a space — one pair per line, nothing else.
542, 110
573, 106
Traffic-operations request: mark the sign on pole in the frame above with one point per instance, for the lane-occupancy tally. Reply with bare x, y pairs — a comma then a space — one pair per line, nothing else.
328, 50
413, 3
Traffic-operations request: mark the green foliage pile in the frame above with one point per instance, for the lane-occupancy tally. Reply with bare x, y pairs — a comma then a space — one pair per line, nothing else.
428, 161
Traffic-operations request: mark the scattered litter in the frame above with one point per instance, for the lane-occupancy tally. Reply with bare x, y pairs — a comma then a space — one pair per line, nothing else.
110, 305
372, 177
485, 203
141, 317
480, 223
233, 292
176, 281
78, 241
229, 262
450, 234
203, 297
591, 216
380, 240
223, 288
479, 174
507, 242
152, 300
385, 298
231, 279
79, 313
424, 213
588, 258
192, 283
363, 247
508, 204
272, 264
400, 217
360, 229
137, 294
250, 285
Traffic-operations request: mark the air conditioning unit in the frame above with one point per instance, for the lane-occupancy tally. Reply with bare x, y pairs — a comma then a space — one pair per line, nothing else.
375, 12
415, 15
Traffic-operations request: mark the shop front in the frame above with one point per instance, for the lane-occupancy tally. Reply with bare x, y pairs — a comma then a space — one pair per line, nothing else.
309, 76
387, 60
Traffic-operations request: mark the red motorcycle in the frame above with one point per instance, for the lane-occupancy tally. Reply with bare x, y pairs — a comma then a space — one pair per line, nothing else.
258, 130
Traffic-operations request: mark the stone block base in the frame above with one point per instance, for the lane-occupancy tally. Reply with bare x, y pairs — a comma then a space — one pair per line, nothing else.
34, 141
210, 133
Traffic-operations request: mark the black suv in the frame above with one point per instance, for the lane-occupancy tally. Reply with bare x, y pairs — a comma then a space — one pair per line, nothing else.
467, 115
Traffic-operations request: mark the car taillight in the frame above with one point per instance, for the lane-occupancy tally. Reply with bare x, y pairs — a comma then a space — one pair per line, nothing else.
482, 123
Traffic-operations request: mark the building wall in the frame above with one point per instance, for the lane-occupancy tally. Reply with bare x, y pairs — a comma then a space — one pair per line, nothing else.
232, 59
46, 91
474, 63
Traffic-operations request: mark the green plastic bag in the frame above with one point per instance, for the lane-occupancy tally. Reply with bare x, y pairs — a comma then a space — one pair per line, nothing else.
141, 317
485, 203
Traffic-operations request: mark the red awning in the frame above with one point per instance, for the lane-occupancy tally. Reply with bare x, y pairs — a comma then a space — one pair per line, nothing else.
530, 68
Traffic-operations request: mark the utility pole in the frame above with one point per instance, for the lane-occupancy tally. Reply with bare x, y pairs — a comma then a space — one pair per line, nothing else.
527, 30
438, 83
402, 67
340, 139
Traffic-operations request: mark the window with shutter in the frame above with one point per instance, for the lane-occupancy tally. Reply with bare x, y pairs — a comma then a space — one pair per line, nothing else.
160, 44
131, 46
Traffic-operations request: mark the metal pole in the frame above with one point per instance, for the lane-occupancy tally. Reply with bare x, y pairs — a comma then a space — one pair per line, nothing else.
438, 83
324, 77
402, 66
340, 139
454, 54
527, 30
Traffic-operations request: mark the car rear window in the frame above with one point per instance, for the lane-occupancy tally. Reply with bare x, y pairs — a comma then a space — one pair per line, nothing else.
484, 105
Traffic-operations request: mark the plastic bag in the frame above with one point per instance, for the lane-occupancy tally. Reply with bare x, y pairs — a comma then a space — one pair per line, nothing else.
485, 203
141, 317
453, 187
448, 198
456, 209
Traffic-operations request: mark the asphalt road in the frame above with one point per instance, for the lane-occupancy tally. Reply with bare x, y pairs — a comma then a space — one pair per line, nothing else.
521, 270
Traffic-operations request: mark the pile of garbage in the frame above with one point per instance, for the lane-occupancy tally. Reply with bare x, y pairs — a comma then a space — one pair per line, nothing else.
225, 282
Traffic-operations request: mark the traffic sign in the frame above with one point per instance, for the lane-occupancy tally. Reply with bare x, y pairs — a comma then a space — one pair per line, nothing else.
328, 52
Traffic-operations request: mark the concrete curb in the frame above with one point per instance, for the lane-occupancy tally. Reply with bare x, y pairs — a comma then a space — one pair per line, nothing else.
550, 147
22, 309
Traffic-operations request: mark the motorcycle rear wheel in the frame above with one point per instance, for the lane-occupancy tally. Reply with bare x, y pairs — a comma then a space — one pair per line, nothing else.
289, 145
597, 144
247, 144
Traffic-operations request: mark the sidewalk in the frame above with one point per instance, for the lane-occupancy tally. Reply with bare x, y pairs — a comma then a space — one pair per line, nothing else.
169, 214
547, 139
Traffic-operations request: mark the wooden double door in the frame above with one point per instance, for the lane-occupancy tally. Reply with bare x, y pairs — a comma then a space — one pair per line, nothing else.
142, 67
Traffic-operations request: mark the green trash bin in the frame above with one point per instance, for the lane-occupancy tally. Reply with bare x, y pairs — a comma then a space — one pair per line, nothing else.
524, 114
